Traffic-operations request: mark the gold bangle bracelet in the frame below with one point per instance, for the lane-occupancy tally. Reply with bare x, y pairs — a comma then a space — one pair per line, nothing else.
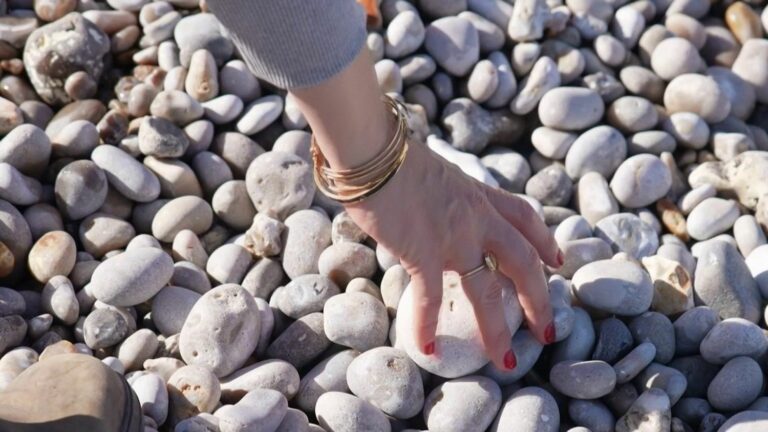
355, 184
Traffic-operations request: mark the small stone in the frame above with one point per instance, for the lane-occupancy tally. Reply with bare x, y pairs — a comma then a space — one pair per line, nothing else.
672, 285
510, 169
623, 288
171, 307
712, 217
268, 374
593, 414
191, 390
568, 378
404, 35
627, 233
447, 408
542, 78
153, 396
731, 338
672, 381
601, 149
184, 213
345, 261
640, 180
202, 81
527, 410
571, 108
674, 57
650, 412
634, 362
301, 342
104, 328
306, 294
225, 310
723, 282
356, 320
341, 411
327, 376
745, 421
259, 114
307, 234
279, 183
58, 299
454, 44
657, 329
177, 107
749, 237
697, 94
737, 385
131, 277
125, 174
389, 380
52, 255
580, 342
161, 138
229, 264
614, 341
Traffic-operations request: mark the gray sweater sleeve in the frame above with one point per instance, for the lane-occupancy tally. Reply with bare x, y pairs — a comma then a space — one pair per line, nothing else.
294, 43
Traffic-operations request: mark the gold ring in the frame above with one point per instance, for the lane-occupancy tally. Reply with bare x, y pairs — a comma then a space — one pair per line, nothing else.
489, 262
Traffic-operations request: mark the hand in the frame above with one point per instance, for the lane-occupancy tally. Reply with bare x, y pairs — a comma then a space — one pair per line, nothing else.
435, 218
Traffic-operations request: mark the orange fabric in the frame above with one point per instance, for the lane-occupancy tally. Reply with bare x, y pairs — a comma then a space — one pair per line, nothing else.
372, 13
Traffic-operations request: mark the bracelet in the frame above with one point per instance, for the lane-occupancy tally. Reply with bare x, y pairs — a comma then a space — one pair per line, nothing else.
354, 185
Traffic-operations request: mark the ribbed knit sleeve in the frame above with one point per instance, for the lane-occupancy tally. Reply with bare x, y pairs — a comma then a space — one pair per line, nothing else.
294, 43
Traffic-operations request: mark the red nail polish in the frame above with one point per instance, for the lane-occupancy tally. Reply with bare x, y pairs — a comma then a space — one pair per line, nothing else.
429, 348
550, 334
560, 258
510, 362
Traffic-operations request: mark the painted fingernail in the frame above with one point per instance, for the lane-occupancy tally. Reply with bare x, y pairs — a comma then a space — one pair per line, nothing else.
510, 361
429, 348
560, 258
550, 334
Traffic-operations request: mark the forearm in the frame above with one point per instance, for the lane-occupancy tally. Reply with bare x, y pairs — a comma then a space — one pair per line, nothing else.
347, 114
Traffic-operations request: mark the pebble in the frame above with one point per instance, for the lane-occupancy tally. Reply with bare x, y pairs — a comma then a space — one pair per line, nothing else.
457, 339
58, 299
747, 67
697, 94
260, 114
104, 328
631, 290
202, 81
329, 375
191, 390
711, 217
11, 302
356, 320
672, 381
268, 374
614, 341
52, 255
737, 385
161, 138
153, 396
309, 331
594, 198
580, 342
657, 329
527, 410
634, 362
125, 174
131, 277
626, 232
650, 412
171, 307
225, 310
731, 338
405, 34
345, 261
228, 264
593, 414
307, 234
568, 377
183, 213
749, 236
279, 183
723, 282
570, 108
342, 412
202, 31
306, 294
389, 380
745, 421
543, 77
600, 149
640, 180
446, 408
237, 80
137, 348
454, 44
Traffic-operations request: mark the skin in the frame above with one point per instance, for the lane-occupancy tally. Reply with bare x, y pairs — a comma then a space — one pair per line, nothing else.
351, 125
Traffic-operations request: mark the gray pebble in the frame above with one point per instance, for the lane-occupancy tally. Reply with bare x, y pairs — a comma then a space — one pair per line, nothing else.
614, 341
731, 338
672, 381
711, 217
104, 328
447, 408
627, 233
650, 412
623, 288
530, 409
301, 342
307, 234
571, 108
268, 374
641, 180
568, 377
592, 414
125, 174
356, 320
601, 149
454, 44
579, 344
737, 385
131, 277
170, 308
691, 328
306, 294
634, 362
341, 411
280, 183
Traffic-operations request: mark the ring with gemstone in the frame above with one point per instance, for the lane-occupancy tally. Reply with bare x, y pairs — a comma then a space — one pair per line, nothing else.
489, 262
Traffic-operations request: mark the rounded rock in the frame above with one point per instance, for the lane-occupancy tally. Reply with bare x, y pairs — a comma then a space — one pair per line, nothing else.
448, 407
619, 287
131, 277
640, 181
571, 108
52, 255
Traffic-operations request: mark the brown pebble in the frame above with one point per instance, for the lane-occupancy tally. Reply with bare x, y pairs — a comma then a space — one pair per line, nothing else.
113, 127
12, 66
743, 22
110, 21
125, 38
80, 86
7, 260
51, 10
10, 116
672, 218
52, 255
17, 90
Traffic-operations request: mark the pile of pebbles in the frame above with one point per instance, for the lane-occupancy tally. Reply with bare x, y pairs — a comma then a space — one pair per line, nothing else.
157, 211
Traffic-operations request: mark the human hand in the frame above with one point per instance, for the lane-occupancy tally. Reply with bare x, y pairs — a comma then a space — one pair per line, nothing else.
435, 218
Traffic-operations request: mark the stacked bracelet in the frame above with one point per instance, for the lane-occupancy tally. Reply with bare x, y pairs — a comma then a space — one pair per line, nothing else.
354, 185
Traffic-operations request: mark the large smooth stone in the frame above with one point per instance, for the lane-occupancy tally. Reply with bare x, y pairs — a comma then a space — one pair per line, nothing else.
457, 337
221, 331
571, 108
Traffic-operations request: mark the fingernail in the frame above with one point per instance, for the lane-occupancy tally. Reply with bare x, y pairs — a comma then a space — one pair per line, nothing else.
429, 348
560, 258
550, 334
509, 360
